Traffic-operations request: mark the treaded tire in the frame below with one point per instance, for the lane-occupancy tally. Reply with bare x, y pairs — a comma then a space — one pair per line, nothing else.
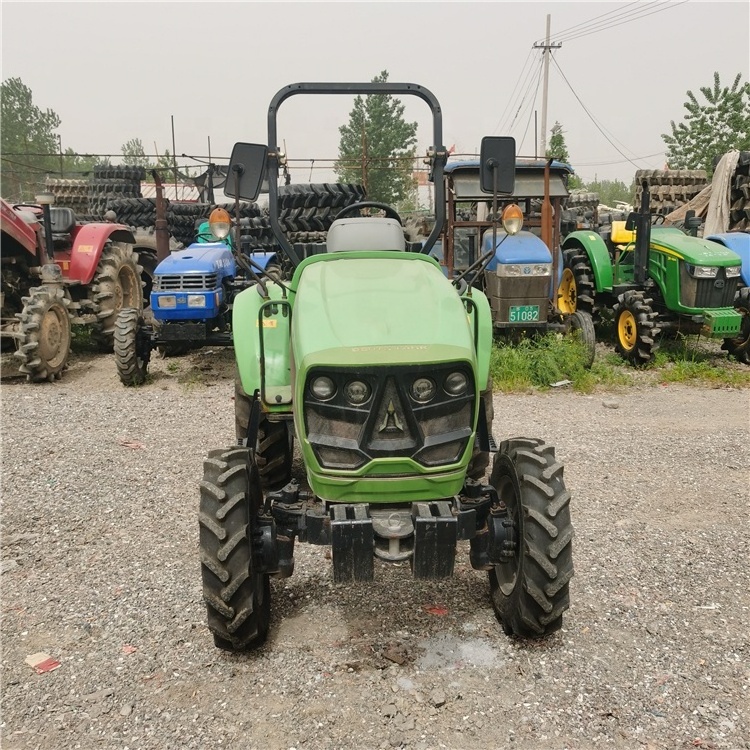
274, 450
578, 282
739, 347
116, 285
130, 358
530, 592
44, 322
238, 601
581, 325
636, 328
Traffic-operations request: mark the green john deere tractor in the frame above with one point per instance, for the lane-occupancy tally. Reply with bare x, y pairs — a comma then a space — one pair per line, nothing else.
653, 279
375, 364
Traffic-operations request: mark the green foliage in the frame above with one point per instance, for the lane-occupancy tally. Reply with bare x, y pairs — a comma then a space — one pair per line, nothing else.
557, 148
134, 154
377, 148
78, 166
611, 191
711, 128
26, 130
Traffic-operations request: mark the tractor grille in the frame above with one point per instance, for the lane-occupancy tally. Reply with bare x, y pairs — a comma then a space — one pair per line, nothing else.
185, 282
391, 423
706, 293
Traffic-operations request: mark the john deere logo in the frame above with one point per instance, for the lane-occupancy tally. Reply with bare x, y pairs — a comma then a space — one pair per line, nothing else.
391, 422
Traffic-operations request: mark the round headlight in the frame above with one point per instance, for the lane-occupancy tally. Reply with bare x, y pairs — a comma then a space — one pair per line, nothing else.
220, 223
357, 392
323, 388
512, 219
423, 390
456, 384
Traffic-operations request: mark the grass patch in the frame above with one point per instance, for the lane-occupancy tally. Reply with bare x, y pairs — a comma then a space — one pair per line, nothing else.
82, 340
535, 364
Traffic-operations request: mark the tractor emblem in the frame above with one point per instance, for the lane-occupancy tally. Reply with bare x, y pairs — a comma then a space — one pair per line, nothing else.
391, 422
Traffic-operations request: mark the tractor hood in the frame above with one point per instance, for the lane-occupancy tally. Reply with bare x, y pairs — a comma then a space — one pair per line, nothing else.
382, 308
693, 250
199, 258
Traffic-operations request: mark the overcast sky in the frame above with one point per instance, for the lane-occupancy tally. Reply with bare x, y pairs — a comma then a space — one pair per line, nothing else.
116, 71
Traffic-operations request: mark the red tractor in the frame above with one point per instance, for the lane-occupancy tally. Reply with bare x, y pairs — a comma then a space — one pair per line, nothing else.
56, 272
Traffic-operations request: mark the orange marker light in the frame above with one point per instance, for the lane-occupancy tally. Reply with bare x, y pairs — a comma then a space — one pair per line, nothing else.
220, 223
512, 218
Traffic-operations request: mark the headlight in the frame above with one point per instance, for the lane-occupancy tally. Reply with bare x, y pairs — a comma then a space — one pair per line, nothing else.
220, 223
514, 269
168, 300
323, 388
357, 392
456, 384
196, 300
703, 272
733, 272
423, 390
512, 219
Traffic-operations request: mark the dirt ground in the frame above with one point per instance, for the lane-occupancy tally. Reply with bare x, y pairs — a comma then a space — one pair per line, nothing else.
100, 571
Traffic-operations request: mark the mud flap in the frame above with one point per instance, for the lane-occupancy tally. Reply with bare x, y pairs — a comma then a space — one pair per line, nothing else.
435, 534
352, 543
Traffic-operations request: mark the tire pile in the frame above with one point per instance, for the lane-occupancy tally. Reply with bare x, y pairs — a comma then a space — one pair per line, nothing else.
110, 183
669, 188
580, 211
739, 206
72, 194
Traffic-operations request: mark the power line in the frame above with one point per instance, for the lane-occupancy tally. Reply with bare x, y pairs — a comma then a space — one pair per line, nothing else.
617, 11
511, 99
524, 103
592, 118
531, 108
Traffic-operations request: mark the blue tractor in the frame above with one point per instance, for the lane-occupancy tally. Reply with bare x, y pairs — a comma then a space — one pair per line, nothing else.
191, 299
739, 242
484, 244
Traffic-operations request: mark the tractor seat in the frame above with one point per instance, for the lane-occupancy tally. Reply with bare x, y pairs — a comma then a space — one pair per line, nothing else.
365, 233
62, 219
621, 236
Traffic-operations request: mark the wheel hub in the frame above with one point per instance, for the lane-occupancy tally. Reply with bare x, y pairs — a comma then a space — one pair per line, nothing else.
627, 329
568, 294
52, 337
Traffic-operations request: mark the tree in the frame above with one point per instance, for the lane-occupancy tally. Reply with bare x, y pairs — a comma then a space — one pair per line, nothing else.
712, 128
557, 148
27, 132
134, 154
610, 191
378, 147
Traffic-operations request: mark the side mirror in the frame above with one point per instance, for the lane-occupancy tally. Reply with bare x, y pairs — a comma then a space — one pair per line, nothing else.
247, 169
497, 161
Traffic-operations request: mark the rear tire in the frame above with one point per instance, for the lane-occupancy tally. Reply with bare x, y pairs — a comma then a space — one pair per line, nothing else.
238, 600
530, 590
576, 290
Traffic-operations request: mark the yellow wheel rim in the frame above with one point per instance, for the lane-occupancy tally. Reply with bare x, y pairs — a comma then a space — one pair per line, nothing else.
567, 293
627, 330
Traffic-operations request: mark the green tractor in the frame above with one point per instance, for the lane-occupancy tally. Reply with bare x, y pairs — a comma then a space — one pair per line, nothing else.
654, 279
374, 364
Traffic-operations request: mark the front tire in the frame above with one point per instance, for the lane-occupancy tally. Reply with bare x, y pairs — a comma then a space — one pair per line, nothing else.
274, 449
739, 347
581, 325
635, 328
530, 590
131, 351
238, 600
45, 327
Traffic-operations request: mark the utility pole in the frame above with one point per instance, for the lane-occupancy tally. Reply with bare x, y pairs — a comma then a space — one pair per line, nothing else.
546, 47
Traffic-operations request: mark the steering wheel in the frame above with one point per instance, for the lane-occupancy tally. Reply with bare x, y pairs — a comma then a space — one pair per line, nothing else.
390, 213
657, 219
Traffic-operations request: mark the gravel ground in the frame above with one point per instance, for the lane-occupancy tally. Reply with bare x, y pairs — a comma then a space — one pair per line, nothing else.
100, 571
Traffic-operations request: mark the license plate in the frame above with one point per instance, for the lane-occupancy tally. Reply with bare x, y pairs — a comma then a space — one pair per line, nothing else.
524, 313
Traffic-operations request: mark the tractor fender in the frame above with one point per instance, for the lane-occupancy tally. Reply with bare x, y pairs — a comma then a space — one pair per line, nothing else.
737, 242
264, 259
88, 243
480, 318
247, 330
598, 254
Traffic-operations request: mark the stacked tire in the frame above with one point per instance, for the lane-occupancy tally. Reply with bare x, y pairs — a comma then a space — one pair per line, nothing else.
739, 200
583, 205
669, 188
113, 183
72, 194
